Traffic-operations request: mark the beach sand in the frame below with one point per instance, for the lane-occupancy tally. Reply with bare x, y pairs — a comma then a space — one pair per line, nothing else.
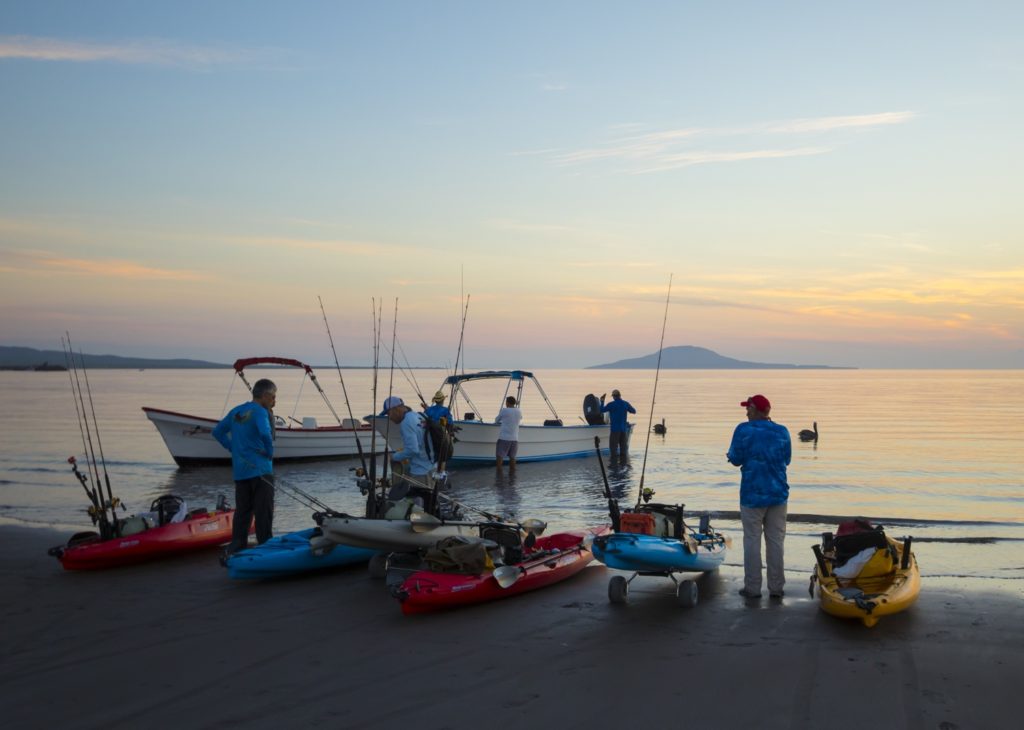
177, 644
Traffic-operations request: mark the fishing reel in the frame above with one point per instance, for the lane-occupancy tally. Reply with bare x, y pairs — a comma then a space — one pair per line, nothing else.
646, 494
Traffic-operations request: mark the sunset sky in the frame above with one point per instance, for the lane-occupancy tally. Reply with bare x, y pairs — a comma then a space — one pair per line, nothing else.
828, 183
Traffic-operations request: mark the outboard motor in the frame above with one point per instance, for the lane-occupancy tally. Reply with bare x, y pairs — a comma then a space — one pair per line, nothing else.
592, 410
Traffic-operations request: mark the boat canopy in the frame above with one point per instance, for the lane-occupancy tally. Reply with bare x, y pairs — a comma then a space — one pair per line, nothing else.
242, 363
484, 374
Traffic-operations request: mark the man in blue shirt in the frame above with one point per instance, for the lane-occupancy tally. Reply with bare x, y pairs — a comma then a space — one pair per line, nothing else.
438, 413
618, 439
247, 432
762, 450
413, 457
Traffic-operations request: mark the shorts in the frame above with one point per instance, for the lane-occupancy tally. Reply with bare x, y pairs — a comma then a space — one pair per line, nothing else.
506, 449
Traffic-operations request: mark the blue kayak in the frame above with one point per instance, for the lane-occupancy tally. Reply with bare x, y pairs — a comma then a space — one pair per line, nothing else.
697, 553
292, 554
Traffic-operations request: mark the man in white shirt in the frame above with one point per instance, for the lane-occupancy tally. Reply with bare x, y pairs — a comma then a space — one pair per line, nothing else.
509, 419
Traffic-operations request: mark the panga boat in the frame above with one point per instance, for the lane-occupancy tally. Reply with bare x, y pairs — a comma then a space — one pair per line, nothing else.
305, 551
475, 438
546, 561
190, 438
862, 573
147, 537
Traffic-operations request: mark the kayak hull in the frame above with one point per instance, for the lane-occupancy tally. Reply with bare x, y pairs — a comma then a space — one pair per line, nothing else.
199, 532
885, 595
426, 591
651, 554
396, 536
292, 554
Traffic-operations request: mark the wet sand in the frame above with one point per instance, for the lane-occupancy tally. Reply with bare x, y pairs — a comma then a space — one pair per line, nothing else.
177, 644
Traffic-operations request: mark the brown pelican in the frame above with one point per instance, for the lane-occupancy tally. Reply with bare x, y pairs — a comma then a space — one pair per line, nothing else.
807, 435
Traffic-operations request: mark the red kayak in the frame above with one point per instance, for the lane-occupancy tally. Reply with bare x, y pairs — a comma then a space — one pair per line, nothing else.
200, 529
551, 559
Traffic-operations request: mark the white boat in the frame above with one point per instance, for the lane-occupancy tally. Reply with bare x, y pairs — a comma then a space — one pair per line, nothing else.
190, 438
475, 438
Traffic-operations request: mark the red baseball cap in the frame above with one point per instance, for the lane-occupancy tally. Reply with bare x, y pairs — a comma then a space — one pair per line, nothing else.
759, 402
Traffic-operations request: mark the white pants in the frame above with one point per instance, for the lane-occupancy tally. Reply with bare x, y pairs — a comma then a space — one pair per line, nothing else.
771, 522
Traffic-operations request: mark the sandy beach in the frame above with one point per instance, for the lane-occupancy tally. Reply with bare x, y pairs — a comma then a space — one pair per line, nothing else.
177, 644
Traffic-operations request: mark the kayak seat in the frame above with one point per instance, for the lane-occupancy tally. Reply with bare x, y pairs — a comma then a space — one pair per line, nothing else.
668, 519
846, 546
508, 538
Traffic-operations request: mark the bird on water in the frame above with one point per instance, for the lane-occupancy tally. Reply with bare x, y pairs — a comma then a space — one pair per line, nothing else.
808, 435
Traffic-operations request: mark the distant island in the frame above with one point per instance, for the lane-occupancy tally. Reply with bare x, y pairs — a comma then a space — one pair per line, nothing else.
29, 358
688, 357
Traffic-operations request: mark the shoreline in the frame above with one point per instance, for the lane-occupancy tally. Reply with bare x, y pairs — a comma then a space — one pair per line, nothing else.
176, 643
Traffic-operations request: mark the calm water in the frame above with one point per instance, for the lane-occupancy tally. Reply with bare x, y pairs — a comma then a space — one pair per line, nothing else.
934, 454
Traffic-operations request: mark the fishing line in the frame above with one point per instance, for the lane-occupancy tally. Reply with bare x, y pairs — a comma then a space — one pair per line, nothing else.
344, 390
657, 372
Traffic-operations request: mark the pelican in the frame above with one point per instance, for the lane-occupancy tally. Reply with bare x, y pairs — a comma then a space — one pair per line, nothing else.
659, 428
807, 435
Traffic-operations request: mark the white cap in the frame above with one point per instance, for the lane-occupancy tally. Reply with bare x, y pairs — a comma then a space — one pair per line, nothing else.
392, 401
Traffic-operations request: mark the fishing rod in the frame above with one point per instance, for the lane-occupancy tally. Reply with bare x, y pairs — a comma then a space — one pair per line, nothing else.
82, 478
112, 501
387, 425
530, 525
105, 527
657, 372
344, 390
613, 504
376, 356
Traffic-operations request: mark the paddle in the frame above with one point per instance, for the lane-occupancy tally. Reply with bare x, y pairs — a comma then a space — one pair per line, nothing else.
422, 521
613, 506
507, 575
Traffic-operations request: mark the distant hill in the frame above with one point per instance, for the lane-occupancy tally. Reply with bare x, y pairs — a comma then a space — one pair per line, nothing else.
688, 357
12, 358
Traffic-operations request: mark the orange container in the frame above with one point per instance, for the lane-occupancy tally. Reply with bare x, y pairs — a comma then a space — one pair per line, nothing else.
637, 523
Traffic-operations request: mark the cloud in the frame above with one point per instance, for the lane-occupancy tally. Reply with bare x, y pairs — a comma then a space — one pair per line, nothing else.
40, 262
670, 149
150, 51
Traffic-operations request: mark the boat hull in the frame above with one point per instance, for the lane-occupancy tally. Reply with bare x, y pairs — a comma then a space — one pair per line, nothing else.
650, 554
194, 533
397, 536
425, 591
292, 554
892, 593
475, 441
190, 440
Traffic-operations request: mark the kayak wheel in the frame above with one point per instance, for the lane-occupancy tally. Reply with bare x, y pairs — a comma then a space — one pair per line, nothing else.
617, 589
378, 566
686, 594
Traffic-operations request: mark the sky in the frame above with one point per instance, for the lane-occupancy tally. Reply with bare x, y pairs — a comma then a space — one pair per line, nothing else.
825, 183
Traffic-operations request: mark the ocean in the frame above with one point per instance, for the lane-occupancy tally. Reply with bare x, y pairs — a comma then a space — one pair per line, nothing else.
938, 455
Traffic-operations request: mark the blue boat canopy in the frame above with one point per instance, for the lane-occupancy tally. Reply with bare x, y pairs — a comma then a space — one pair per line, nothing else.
484, 374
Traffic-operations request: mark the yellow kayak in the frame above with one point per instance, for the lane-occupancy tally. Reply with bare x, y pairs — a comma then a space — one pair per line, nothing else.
886, 580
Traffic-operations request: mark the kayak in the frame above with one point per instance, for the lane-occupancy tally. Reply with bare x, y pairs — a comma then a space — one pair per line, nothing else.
199, 529
878, 579
398, 536
292, 554
654, 540
550, 560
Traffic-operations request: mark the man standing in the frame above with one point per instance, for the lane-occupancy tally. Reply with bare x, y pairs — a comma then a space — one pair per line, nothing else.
439, 413
618, 440
509, 419
762, 449
413, 456
247, 431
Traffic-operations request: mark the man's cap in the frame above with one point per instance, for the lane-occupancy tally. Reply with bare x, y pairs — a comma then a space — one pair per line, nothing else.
392, 402
439, 397
616, 393
759, 402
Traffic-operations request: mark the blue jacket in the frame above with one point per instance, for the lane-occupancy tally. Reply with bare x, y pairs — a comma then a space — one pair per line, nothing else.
414, 447
246, 433
618, 408
762, 450
437, 411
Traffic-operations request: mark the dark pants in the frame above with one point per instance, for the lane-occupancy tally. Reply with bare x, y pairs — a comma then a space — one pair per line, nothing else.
618, 442
254, 498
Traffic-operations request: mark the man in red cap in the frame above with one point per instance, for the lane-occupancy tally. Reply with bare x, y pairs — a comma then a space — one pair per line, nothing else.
762, 450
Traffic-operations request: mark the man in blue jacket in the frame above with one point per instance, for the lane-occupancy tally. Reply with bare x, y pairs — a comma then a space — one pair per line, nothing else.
618, 439
762, 450
247, 432
413, 458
